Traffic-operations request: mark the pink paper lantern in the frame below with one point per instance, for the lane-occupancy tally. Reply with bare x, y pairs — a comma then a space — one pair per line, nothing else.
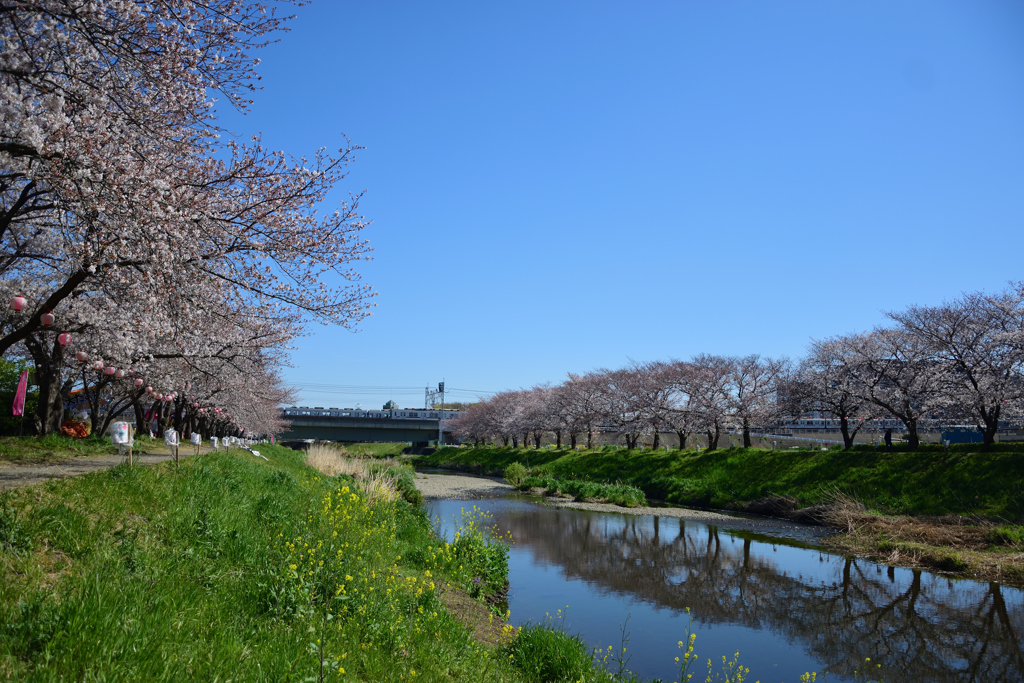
202, 410
97, 365
63, 339
47, 319
195, 405
18, 303
110, 370
149, 390
82, 356
188, 386
119, 374
138, 382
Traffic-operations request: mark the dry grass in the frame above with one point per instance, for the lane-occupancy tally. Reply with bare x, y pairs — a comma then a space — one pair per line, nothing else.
333, 460
950, 531
962, 545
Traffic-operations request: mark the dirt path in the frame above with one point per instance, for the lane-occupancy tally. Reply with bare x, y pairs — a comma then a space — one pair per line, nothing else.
13, 475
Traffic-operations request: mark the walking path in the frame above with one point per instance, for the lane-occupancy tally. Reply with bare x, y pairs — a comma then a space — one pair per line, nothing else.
14, 474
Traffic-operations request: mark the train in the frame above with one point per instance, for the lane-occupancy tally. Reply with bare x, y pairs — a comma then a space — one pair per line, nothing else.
383, 414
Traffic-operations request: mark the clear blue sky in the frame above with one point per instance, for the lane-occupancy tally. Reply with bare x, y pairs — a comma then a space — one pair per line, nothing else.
566, 186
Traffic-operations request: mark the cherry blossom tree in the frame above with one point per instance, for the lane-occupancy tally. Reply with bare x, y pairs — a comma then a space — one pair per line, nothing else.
119, 193
829, 380
753, 385
977, 339
707, 384
681, 411
581, 402
897, 373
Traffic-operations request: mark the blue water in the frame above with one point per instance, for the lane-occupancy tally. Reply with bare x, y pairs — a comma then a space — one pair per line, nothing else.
785, 607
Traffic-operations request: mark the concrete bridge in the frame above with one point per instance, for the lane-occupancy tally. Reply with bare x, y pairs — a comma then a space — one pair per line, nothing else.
335, 424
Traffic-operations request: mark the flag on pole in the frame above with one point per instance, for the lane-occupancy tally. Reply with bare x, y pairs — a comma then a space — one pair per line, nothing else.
19, 396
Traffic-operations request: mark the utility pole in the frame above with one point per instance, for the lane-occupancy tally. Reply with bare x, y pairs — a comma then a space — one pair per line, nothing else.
440, 419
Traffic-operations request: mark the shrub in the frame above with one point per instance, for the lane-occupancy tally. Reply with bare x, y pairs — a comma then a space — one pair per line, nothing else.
547, 654
515, 474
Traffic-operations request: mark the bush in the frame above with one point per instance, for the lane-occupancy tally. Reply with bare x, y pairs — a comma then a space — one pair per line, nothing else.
616, 494
515, 474
547, 654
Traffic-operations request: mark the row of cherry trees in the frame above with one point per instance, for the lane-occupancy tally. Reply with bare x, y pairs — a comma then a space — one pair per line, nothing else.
149, 256
958, 363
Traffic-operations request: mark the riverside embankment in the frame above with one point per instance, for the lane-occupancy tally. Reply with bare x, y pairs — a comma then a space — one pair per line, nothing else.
229, 567
958, 510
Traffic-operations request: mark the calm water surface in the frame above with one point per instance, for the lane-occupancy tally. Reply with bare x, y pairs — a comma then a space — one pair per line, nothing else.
786, 607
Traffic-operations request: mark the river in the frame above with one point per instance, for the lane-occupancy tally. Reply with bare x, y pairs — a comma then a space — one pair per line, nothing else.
785, 605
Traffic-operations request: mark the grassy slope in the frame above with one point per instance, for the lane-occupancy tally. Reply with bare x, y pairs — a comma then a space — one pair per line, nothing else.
925, 482
204, 573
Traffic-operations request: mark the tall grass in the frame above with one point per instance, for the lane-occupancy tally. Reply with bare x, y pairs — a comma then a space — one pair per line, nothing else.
379, 479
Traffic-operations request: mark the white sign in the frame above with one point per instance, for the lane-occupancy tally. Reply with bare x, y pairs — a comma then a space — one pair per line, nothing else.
120, 434
213, 442
197, 439
171, 437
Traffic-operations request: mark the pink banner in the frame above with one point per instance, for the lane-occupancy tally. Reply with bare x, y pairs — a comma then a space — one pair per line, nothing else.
19, 397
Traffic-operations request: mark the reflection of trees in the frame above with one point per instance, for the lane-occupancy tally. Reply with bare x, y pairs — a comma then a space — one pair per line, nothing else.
918, 630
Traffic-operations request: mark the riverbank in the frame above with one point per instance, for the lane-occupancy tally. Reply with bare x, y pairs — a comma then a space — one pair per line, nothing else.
957, 511
229, 567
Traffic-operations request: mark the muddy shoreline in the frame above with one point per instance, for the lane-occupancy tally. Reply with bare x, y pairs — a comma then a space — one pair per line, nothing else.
454, 486
890, 547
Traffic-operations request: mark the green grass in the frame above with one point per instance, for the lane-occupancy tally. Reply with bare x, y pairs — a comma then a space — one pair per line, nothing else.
589, 491
377, 450
928, 481
230, 567
34, 450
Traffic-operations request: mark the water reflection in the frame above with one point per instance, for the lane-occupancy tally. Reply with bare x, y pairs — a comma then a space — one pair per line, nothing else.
921, 627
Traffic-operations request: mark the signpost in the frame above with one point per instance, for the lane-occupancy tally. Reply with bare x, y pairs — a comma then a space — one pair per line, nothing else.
122, 435
171, 440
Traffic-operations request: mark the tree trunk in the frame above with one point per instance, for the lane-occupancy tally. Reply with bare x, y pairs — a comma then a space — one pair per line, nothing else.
912, 438
515, 442
657, 439
590, 438
682, 439
140, 417
712, 442
537, 436
844, 427
713, 445
572, 440
991, 418
558, 439
48, 363
746, 433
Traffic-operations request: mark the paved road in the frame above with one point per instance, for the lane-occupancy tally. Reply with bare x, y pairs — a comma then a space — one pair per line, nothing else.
12, 474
